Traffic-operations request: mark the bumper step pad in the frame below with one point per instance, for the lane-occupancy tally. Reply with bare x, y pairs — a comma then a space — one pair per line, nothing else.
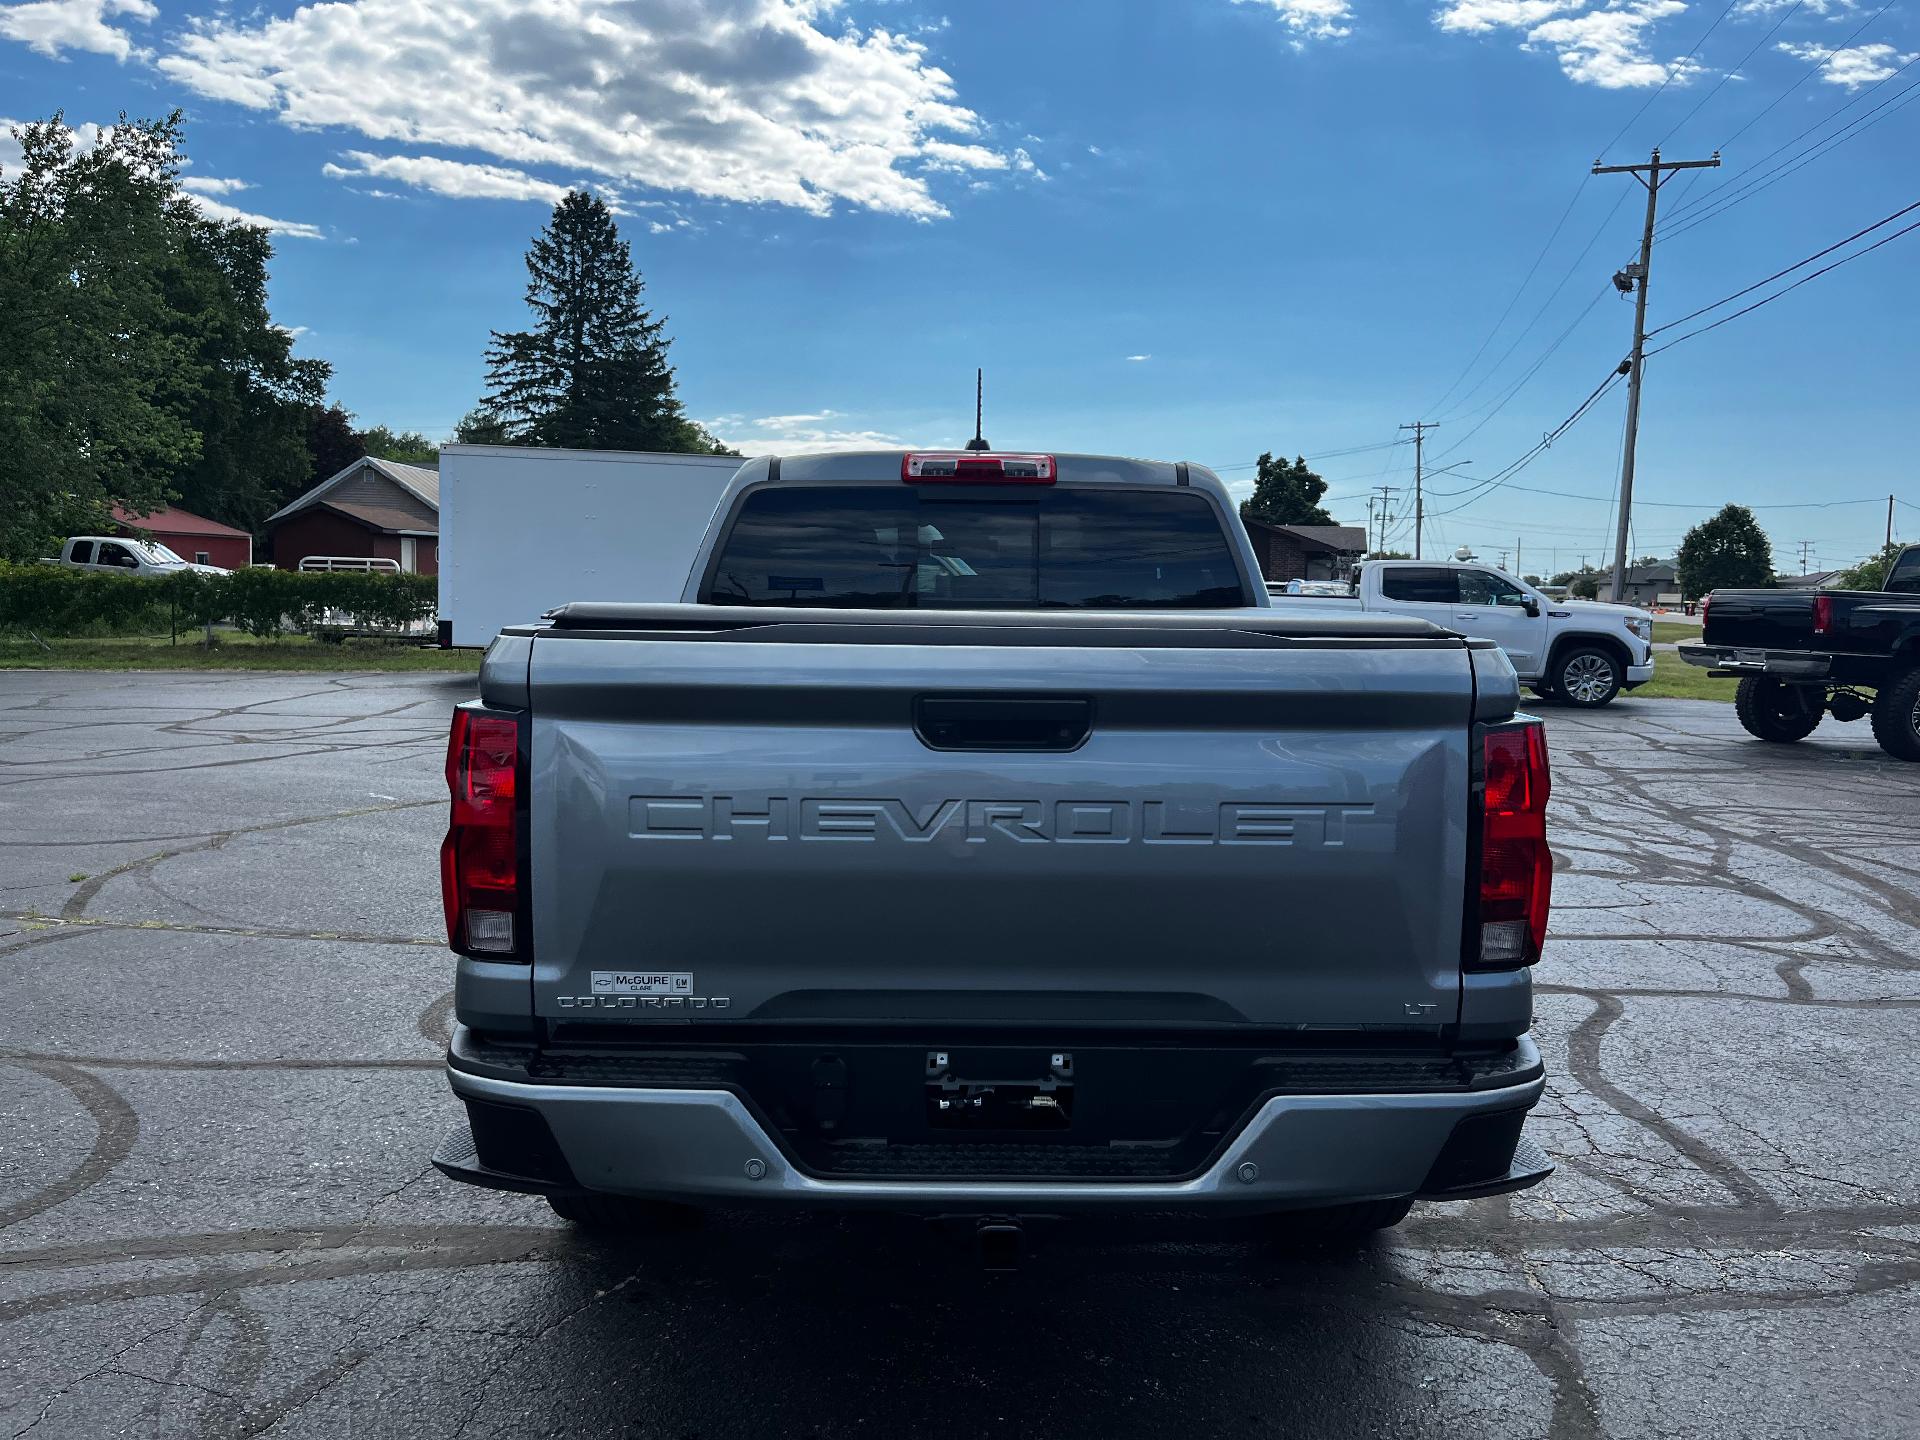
1530, 1166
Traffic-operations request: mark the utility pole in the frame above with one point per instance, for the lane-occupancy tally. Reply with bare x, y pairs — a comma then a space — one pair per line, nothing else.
1805, 546
1419, 429
1516, 555
1634, 278
1889, 522
1387, 492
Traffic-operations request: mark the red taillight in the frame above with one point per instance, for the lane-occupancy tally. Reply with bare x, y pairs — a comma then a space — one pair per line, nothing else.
976, 467
1705, 601
1822, 614
1516, 867
480, 858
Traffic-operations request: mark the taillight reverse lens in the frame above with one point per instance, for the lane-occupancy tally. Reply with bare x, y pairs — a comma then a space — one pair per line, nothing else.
1516, 867
480, 858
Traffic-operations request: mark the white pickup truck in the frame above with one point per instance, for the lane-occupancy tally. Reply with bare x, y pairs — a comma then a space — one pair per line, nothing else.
118, 555
1577, 651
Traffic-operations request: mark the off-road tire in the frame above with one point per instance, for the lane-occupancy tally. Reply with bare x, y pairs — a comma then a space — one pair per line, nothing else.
1587, 676
1339, 1226
622, 1214
1896, 716
1777, 712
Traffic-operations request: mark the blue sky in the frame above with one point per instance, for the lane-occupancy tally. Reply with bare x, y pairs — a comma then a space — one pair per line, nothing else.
1189, 229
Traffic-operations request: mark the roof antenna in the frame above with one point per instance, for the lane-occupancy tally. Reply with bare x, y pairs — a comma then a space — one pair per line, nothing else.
978, 442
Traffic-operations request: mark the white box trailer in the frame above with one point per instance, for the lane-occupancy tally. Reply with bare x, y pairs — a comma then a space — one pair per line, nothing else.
524, 529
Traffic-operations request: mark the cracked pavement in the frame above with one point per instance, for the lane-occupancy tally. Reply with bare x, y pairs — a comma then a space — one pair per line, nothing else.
227, 997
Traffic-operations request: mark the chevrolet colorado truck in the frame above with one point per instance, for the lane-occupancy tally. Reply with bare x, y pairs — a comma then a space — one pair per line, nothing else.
1579, 652
1801, 655
974, 841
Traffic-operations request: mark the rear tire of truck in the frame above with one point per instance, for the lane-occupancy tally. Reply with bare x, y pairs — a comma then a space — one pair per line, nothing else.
1896, 716
1777, 712
1339, 1226
611, 1215
1586, 677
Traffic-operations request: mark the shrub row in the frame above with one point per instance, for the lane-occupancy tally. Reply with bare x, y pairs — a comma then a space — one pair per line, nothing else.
55, 600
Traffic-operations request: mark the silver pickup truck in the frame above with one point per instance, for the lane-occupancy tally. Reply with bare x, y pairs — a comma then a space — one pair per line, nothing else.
974, 841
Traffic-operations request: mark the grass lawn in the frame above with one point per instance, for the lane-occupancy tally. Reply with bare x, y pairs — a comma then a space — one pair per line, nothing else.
1674, 679
235, 651
1674, 632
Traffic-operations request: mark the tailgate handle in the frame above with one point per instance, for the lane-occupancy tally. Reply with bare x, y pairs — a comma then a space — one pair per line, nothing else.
1002, 722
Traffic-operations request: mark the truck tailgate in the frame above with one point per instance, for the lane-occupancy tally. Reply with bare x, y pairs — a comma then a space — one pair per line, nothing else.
1259, 831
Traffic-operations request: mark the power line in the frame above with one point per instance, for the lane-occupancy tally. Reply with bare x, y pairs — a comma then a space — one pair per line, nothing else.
1538, 315
1707, 207
1822, 64
1789, 289
1730, 72
1678, 67
1837, 245
1501, 477
1518, 291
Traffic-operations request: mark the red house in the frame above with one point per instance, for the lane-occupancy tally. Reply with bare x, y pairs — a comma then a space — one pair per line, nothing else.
191, 537
374, 508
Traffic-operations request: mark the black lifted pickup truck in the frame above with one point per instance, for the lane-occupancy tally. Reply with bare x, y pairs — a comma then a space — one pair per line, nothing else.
1803, 654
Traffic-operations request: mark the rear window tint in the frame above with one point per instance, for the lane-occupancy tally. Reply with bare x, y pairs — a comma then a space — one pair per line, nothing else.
1422, 587
1905, 576
976, 547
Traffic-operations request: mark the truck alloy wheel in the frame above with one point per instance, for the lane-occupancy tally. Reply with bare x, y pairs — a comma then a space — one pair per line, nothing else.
1896, 716
1587, 677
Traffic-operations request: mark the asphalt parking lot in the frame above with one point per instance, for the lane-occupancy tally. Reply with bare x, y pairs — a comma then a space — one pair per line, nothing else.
225, 998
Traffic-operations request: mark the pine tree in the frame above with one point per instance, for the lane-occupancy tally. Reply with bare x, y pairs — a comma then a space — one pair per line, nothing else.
1286, 494
592, 374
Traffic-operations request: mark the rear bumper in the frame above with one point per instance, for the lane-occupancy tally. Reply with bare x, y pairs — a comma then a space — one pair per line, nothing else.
1741, 660
705, 1146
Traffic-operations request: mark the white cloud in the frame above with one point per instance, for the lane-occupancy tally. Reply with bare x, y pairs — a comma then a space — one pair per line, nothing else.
1854, 66
51, 26
200, 188
1024, 163
797, 434
208, 185
741, 100
1139, 357
447, 177
1477, 17
1311, 19
220, 210
1812, 7
1604, 45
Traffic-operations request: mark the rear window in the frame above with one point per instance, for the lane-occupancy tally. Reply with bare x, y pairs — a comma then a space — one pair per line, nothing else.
1905, 576
1423, 587
976, 547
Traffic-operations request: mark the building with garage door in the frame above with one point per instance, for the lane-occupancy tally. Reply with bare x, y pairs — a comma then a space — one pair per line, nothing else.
373, 509
191, 537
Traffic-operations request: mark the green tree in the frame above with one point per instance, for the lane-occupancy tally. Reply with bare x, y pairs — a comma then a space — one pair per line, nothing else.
1390, 555
332, 443
241, 388
1871, 573
1586, 585
478, 427
138, 362
409, 447
1286, 494
90, 409
592, 373
1728, 552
